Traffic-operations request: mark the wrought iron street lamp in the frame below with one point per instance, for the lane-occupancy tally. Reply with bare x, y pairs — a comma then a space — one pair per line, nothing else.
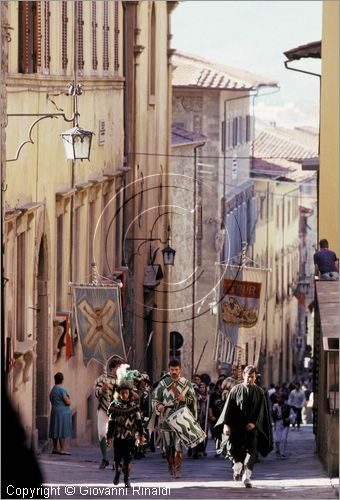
168, 252
77, 140
77, 143
168, 256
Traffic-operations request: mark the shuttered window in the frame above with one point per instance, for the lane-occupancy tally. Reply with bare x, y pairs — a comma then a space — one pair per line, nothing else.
94, 35
29, 40
152, 62
64, 21
37, 35
106, 36
235, 130
80, 35
223, 137
116, 37
249, 128
47, 47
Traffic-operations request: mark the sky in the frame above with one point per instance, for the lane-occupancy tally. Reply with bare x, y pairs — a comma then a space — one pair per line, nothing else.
253, 35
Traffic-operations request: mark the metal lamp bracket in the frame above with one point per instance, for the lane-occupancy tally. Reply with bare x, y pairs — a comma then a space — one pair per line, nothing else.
40, 117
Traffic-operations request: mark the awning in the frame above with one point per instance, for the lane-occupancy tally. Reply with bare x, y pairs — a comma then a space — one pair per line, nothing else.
312, 49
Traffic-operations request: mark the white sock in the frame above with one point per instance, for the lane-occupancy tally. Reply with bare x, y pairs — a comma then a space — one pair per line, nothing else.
237, 467
247, 474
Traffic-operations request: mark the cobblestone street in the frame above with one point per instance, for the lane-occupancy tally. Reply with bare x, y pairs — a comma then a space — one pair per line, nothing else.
299, 476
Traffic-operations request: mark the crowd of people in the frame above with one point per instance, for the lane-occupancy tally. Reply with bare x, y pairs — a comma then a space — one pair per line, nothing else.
135, 416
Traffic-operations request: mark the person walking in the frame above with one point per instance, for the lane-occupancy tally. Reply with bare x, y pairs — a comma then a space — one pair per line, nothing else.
326, 262
246, 423
61, 419
202, 418
105, 387
282, 415
172, 393
297, 400
216, 404
229, 382
125, 421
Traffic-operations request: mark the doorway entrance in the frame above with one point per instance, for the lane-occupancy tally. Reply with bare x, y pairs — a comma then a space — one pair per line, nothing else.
41, 411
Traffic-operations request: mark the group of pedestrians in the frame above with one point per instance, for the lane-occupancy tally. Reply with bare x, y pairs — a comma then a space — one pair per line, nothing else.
123, 409
287, 403
238, 413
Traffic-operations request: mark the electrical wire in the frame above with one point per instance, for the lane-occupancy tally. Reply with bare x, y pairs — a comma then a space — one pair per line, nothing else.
295, 159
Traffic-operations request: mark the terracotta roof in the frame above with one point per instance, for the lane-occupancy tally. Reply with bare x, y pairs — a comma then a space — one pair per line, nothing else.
183, 137
280, 152
195, 71
312, 49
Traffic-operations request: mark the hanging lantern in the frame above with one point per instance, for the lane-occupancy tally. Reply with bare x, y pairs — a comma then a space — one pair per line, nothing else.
169, 256
77, 143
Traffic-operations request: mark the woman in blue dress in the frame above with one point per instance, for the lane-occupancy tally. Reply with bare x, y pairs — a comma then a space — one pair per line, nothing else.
61, 420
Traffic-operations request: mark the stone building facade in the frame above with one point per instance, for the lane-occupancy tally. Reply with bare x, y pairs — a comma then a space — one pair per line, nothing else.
215, 100
59, 215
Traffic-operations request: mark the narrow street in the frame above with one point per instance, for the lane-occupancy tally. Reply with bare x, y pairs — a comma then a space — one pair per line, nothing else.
299, 476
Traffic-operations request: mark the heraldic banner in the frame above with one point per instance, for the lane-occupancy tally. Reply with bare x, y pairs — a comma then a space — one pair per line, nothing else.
99, 323
241, 315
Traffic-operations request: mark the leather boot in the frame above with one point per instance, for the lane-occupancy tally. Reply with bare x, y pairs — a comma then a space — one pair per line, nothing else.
117, 473
127, 469
178, 463
171, 465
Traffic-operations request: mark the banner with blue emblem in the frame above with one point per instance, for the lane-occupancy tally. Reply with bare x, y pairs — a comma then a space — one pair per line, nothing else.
99, 322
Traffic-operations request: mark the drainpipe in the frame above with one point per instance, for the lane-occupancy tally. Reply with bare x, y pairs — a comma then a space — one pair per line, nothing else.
193, 300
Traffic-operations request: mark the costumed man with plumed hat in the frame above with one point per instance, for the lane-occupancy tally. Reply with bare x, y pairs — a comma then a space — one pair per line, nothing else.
125, 422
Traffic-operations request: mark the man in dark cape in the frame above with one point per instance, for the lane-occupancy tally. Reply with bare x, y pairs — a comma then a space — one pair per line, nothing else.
246, 426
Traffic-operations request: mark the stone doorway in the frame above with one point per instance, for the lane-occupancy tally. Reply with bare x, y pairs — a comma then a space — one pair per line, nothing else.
41, 396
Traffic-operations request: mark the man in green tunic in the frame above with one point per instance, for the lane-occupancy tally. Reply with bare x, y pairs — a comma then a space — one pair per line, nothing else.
172, 392
246, 423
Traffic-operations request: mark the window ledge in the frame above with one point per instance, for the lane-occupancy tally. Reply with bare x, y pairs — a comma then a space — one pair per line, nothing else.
22, 347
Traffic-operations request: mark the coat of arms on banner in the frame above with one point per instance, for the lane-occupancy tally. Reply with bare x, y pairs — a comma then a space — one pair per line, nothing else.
241, 304
98, 314
240, 325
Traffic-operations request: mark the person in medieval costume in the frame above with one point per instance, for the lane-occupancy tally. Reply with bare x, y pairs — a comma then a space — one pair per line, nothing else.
173, 392
104, 389
245, 422
124, 427
229, 382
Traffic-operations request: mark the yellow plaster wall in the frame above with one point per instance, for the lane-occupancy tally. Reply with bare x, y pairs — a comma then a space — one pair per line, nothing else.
329, 130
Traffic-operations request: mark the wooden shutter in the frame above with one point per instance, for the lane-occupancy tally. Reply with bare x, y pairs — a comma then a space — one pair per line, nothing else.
64, 21
106, 36
37, 36
80, 35
29, 46
116, 36
152, 61
47, 46
94, 35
